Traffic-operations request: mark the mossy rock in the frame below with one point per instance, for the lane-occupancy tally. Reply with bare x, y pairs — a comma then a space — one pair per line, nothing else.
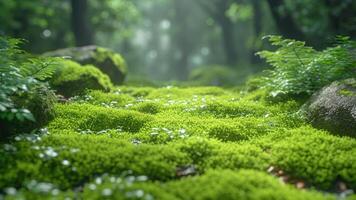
73, 79
334, 108
40, 102
109, 62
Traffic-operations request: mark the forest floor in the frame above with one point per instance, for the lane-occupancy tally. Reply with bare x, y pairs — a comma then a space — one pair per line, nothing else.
178, 143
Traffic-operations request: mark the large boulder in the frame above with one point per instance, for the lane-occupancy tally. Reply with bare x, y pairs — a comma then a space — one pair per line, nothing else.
334, 108
106, 60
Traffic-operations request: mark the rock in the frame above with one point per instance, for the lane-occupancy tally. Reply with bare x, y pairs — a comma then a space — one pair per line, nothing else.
334, 108
106, 60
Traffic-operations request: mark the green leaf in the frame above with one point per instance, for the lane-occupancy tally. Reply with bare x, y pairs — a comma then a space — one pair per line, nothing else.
28, 115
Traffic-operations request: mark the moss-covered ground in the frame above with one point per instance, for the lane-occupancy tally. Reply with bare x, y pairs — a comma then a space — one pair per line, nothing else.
177, 143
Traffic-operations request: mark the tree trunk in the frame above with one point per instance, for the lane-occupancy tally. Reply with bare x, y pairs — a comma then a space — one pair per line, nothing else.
182, 39
227, 28
81, 23
217, 10
285, 22
341, 22
257, 26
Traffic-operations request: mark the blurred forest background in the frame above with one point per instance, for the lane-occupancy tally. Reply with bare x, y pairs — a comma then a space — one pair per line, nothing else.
165, 40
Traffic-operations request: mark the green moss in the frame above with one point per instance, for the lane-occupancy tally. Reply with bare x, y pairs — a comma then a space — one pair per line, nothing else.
69, 158
148, 107
97, 97
245, 184
352, 197
135, 92
349, 82
225, 138
84, 116
211, 154
111, 63
221, 184
346, 92
103, 54
314, 156
73, 79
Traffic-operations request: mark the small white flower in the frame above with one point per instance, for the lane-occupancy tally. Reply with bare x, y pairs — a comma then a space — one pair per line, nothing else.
65, 163
106, 192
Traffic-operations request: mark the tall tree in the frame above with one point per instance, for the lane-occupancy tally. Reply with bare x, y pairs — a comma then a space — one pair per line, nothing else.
217, 10
285, 22
182, 38
342, 17
257, 27
81, 23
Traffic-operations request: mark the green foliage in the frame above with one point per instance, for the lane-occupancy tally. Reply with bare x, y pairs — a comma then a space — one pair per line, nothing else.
20, 78
39, 100
73, 79
301, 70
239, 12
45, 23
317, 19
40, 22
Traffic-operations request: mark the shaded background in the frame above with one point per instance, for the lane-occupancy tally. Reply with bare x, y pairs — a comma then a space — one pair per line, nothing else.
165, 40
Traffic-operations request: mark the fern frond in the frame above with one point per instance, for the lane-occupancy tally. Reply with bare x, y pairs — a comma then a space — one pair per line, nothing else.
39, 68
299, 69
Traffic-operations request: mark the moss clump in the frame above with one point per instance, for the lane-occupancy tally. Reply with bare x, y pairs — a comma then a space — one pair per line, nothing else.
105, 99
314, 156
71, 158
73, 79
106, 60
244, 184
209, 154
148, 107
220, 184
97, 118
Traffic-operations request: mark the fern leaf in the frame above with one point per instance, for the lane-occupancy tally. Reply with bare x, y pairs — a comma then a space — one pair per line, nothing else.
39, 68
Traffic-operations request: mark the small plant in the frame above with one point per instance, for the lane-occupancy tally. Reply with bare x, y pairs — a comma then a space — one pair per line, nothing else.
20, 75
302, 70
